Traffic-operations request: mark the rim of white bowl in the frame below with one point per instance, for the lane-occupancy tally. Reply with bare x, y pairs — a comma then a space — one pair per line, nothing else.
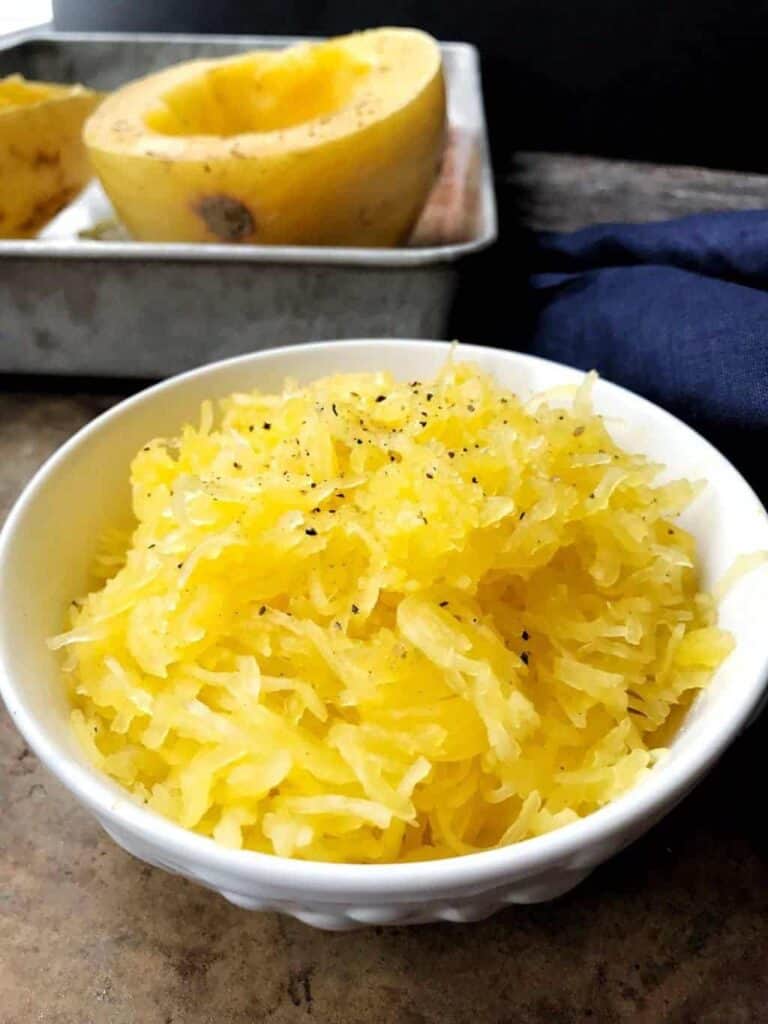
667, 782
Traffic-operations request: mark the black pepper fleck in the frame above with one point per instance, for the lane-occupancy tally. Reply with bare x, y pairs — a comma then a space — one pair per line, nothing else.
381, 398
355, 609
311, 531
443, 604
267, 426
525, 635
524, 657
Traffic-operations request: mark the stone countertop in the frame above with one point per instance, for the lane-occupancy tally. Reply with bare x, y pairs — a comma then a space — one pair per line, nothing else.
674, 929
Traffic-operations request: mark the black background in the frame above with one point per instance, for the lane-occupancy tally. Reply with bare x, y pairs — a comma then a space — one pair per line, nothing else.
681, 81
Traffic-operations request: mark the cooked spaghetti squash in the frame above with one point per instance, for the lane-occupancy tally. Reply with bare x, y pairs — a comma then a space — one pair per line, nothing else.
43, 162
373, 621
331, 143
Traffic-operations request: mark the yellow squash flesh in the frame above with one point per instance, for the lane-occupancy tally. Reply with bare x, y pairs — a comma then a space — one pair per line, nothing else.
336, 143
43, 162
371, 621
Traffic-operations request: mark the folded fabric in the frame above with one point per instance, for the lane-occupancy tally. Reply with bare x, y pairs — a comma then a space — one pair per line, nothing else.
677, 311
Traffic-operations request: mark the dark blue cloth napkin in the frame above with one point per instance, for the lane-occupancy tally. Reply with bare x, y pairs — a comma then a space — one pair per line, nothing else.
677, 311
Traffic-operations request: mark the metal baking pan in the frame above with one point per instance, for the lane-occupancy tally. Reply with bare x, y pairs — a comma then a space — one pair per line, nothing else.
120, 308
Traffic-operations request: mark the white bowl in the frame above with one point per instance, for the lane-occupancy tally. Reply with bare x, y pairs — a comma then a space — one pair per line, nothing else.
48, 543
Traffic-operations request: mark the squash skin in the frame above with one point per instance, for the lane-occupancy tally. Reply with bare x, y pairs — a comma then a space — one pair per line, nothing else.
319, 183
43, 162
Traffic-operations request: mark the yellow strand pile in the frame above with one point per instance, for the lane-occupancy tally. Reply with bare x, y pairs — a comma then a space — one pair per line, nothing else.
369, 621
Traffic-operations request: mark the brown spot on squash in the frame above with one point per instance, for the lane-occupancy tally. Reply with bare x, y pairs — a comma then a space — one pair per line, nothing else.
45, 159
47, 208
227, 218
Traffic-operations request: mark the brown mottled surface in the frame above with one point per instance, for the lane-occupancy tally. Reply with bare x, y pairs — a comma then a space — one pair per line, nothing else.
675, 929
561, 192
